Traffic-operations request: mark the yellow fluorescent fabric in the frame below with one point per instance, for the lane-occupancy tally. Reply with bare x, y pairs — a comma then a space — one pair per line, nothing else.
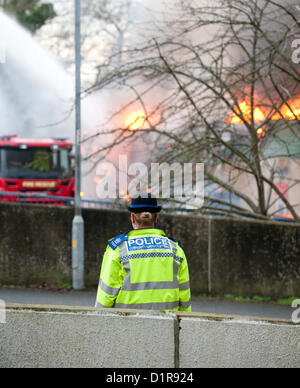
147, 271
151, 270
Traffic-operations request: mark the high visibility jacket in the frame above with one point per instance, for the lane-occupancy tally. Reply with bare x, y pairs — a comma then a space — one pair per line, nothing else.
144, 269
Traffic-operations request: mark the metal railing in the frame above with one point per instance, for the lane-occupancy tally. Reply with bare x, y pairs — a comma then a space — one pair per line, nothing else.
43, 199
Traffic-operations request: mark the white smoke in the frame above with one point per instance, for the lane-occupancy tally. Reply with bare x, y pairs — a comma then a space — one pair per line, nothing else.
36, 95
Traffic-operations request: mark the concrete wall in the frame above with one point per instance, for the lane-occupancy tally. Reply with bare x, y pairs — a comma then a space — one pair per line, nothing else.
240, 257
35, 337
238, 343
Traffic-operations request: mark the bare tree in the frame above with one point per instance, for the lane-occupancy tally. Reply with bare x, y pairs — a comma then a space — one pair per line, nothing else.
227, 95
33, 14
104, 28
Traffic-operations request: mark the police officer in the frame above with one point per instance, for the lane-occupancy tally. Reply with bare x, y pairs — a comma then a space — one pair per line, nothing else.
144, 269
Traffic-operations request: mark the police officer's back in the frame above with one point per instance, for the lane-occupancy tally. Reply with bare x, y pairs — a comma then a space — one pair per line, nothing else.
144, 269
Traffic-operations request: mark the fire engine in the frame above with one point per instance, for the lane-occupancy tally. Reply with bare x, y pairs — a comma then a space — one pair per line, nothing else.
35, 169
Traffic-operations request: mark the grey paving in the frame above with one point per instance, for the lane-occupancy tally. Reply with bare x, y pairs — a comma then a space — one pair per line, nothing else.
87, 298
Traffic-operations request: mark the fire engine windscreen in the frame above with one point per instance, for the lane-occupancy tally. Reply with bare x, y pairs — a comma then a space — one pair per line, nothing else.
35, 163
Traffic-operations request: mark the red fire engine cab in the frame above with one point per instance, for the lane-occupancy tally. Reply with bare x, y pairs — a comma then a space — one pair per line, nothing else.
35, 168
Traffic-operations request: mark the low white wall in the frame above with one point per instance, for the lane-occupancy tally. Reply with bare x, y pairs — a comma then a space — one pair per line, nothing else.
238, 343
36, 336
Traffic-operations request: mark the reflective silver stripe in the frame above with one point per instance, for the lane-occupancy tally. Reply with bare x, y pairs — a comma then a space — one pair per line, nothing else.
109, 290
184, 286
185, 305
99, 305
128, 286
174, 248
149, 286
123, 252
126, 281
175, 273
149, 306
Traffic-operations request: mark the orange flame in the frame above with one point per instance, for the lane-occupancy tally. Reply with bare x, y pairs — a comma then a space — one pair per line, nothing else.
245, 108
127, 198
289, 111
97, 179
260, 132
136, 120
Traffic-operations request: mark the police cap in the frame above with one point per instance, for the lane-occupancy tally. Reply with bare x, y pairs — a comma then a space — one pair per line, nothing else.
142, 204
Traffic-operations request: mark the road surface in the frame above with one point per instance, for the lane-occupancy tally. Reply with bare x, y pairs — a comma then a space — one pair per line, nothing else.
87, 298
